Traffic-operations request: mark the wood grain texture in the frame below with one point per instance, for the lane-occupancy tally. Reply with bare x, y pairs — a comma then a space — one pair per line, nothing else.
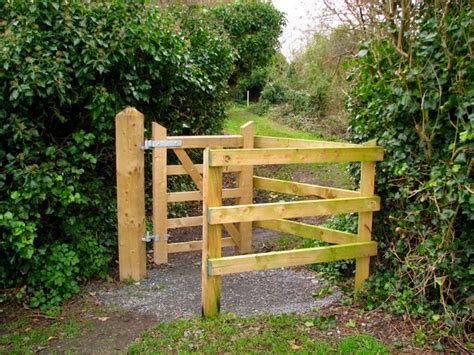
280, 142
287, 258
308, 231
270, 156
159, 190
277, 210
129, 136
195, 245
245, 183
364, 231
300, 189
211, 239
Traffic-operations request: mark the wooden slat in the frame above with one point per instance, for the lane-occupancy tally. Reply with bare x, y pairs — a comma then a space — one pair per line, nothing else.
245, 182
182, 222
197, 195
229, 141
227, 157
278, 142
308, 231
287, 258
364, 233
300, 189
277, 210
195, 245
180, 170
160, 206
129, 128
211, 239
189, 166
233, 232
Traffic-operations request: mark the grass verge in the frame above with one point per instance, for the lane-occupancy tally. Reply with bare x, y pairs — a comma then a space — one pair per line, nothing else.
258, 334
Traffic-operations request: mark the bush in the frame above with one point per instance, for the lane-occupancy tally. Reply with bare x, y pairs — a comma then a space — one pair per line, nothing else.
253, 27
67, 69
416, 96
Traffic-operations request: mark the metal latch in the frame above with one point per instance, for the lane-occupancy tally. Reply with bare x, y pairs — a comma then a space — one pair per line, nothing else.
153, 237
148, 144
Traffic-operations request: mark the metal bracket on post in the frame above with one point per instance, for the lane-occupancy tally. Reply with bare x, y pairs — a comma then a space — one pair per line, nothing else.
165, 143
149, 237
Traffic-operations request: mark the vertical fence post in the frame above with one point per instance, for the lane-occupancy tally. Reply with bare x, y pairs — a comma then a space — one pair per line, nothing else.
364, 233
248, 98
129, 136
211, 237
245, 183
160, 197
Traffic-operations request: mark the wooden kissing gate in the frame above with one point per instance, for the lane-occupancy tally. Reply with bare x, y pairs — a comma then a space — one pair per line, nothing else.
237, 154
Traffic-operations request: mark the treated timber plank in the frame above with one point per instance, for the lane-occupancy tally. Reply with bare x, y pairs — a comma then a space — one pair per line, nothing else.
160, 206
245, 183
301, 189
308, 231
364, 231
287, 258
180, 170
229, 141
197, 195
129, 128
277, 210
268, 156
278, 142
188, 165
211, 239
195, 245
182, 222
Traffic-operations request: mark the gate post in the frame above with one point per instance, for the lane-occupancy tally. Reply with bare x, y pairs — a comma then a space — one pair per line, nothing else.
129, 137
245, 183
211, 237
364, 232
160, 196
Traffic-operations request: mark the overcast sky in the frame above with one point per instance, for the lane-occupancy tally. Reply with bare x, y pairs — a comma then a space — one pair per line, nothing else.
303, 17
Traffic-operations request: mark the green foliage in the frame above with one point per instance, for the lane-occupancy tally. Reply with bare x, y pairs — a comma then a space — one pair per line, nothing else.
66, 69
416, 96
310, 90
54, 276
253, 27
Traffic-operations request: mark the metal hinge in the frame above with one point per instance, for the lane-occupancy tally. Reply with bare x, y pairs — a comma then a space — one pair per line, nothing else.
149, 237
148, 144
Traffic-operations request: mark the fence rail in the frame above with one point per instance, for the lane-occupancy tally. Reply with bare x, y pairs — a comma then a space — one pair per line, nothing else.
274, 216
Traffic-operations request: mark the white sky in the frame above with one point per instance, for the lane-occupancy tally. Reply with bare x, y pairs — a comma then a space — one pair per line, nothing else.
302, 18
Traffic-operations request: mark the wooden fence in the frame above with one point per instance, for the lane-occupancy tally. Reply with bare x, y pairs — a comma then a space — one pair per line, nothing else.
275, 216
242, 152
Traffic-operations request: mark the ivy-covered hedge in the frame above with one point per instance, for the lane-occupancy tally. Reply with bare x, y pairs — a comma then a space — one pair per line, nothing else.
416, 96
66, 69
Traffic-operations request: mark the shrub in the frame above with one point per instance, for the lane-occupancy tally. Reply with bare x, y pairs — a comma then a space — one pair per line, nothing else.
67, 69
253, 27
416, 95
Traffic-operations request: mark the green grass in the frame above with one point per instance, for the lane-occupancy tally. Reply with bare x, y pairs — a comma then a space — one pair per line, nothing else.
24, 337
258, 334
264, 126
334, 174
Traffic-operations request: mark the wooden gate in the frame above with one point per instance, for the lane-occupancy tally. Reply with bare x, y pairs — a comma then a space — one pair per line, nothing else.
242, 152
130, 148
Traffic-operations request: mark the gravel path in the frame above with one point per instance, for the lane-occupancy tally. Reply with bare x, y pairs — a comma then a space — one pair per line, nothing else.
174, 290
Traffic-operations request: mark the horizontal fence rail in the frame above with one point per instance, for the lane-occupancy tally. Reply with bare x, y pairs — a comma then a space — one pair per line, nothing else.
275, 216
270, 156
268, 211
278, 259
